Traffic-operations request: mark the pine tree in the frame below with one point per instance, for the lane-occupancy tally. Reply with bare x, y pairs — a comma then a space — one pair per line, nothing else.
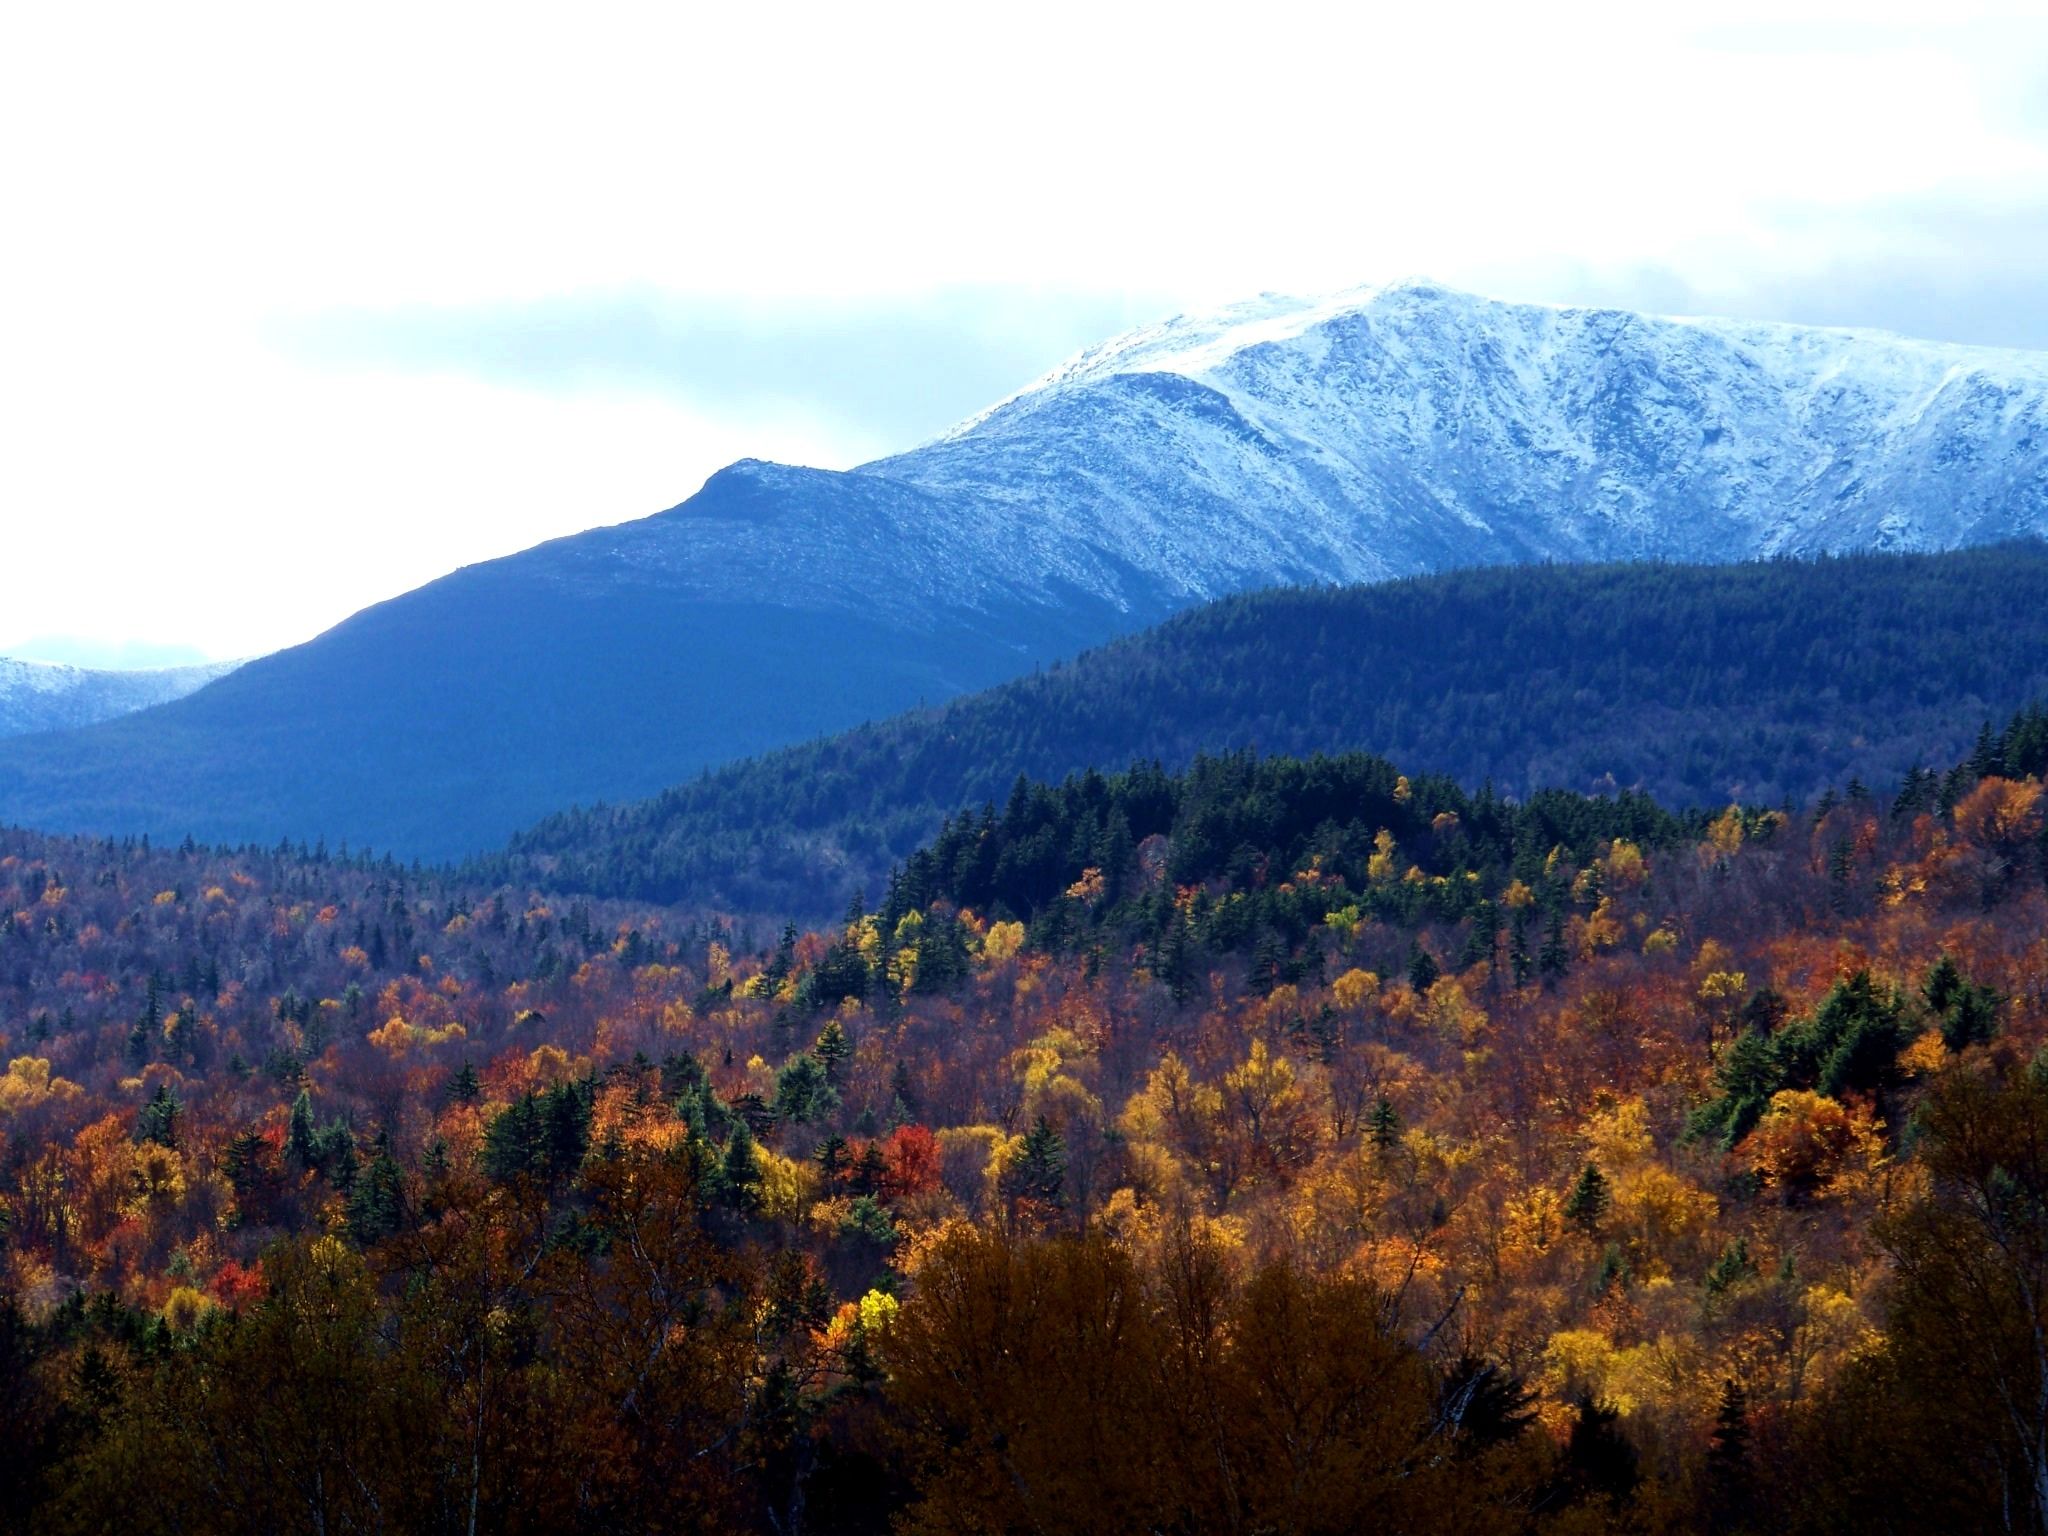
1423, 971
566, 1116
1556, 955
803, 1092
158, 1121
1734, 1266
1987, 759
832, 1051
1730, 1479
465, 1087
300, 1145
249, 1176
1519, 961
376, 1207
831, 1158
148, 1024
1176, 966
1040, 1171
1841, 870
869, 1170
181, 1036
515, 1141
1589, 1200
1384, 1125
740, 1170
1481, 940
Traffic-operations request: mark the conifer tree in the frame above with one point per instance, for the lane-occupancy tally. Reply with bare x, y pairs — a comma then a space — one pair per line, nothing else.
740, 1170
1556, 955
158, 1121
1730, 1479
1519, 961
832, 1051
300, 1147
1040, 1172
1589, 1200
376, 1207
1423, 971
1384, 1125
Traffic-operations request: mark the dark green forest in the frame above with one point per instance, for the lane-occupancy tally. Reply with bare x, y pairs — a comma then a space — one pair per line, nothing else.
1698, 686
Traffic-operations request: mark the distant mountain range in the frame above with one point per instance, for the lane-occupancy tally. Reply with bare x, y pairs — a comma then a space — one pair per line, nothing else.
1763, 682
49, 696
1387, 432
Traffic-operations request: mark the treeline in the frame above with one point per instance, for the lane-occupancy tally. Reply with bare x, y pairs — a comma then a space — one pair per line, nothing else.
1695, 685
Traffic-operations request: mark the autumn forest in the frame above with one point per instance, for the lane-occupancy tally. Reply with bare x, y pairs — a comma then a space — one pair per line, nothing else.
1282, 1145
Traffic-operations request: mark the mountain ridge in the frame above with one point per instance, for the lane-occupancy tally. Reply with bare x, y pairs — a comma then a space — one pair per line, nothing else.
54, 695
1698, 685
1391, 432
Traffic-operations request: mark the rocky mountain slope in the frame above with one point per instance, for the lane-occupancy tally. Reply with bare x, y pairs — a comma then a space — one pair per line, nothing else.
49, 696
1385, 432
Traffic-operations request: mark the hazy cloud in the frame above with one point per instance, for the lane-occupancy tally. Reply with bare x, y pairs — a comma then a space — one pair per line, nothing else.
889, 371
1944, 268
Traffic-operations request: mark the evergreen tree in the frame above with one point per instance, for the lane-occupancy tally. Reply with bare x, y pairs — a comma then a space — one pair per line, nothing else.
1586, 1207
1040, 1171
1730, 1479
1519, 961
1384, 1125
832, 1051
803, 1091
1968, 1014
831, 1158
148, 1025
181, 1036
337, 1154
301, 1149
1555, 955
515, 1141
376, 1208
1481, 939
1731, 1268
465, 1087
1423, 971
869, 1171
158, 1121
1599, 1461
1176, 963
740, 1170
250, 1176
1841, 872
566, 1115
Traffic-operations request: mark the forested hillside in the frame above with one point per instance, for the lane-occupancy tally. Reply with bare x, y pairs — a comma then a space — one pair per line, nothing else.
1698, 685
1283, 1145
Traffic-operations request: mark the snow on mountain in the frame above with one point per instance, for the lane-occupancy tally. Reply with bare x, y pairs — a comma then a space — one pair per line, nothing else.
49, 696
1398, 429
1379, 433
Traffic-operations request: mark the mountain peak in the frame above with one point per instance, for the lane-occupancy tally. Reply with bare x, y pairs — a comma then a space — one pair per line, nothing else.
1383, 431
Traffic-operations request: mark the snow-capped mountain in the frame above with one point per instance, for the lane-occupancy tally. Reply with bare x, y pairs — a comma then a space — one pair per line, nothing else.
1382, 432
49, 696
1405, 428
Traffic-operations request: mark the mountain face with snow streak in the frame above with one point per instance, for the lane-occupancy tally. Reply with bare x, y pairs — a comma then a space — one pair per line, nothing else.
1409, 428
1384, 432
50, 696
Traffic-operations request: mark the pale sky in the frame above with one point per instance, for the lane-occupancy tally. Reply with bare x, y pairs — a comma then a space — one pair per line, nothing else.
300, 308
